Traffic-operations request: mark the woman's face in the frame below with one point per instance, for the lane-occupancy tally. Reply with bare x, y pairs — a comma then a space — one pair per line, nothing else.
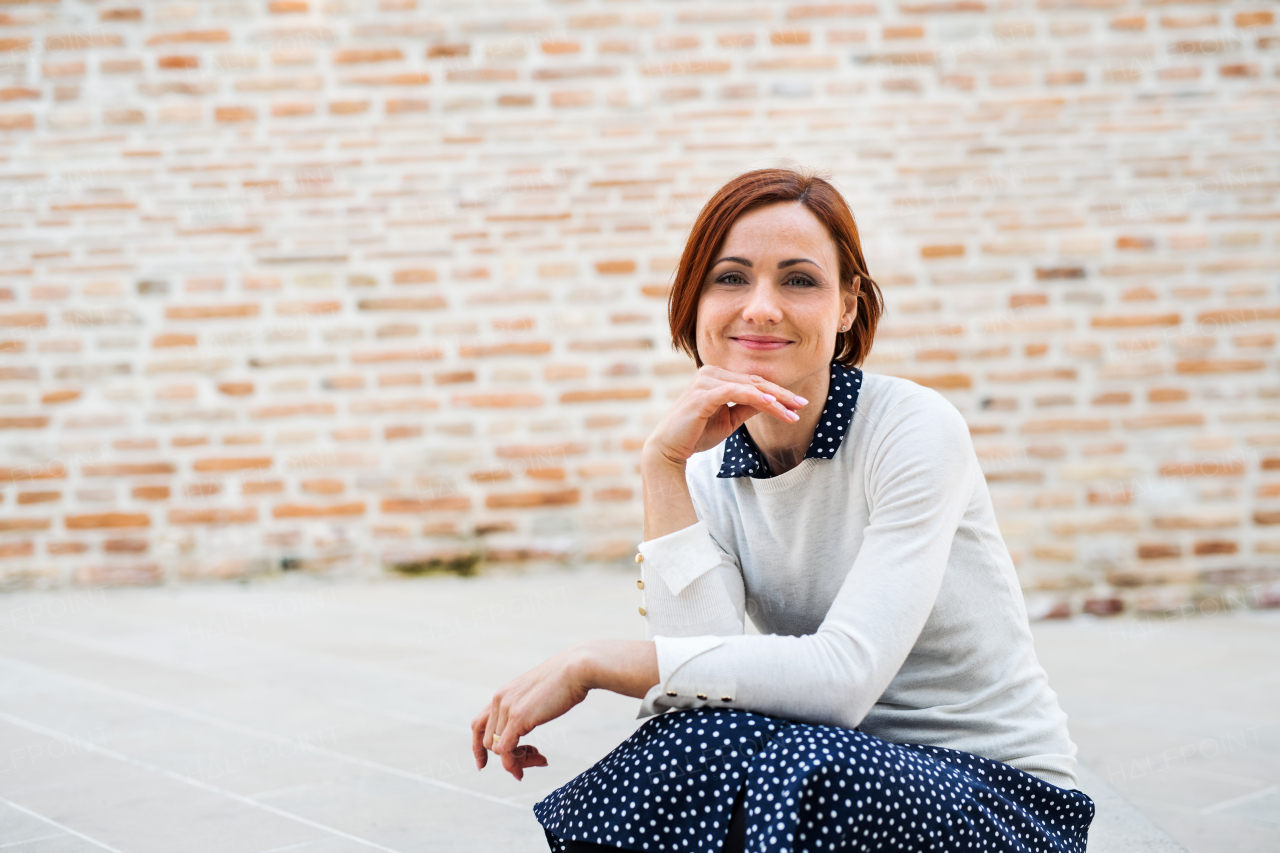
772, 303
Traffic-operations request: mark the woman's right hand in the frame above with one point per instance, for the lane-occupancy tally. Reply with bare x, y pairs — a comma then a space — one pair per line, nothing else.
702, 417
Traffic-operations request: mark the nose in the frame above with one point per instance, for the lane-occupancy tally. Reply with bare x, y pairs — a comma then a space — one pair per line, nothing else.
763, 307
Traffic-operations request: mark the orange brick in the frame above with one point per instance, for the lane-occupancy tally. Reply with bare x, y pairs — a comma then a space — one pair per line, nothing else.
1258, 18
246, 515
57, 548
1052, 425
1220, 365
1206, 468
557, 47
437, 51
403, 303
151, 493
414, 275
516, 500
1129, 321
612, 495
185, 36
293, 510
600, 394
498, 401
789, 37
24, 548
373, 54
421, 505
1173, 419
210, 312
133, 574
508, 349
128, 469
107, 520
232, 463
1129, 22
234, 114
17, 121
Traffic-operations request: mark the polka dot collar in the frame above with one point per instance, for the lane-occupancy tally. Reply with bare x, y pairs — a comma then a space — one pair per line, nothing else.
742, 458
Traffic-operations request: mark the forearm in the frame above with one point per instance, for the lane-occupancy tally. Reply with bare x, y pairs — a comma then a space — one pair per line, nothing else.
813, 678
668, 506
628, 667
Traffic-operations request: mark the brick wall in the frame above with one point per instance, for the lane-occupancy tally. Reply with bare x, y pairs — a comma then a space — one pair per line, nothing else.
353, 284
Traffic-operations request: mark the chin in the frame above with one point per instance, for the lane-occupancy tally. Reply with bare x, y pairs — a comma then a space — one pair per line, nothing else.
770, 365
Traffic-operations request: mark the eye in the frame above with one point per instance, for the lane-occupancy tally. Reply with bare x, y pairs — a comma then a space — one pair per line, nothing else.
730, 278
802, 281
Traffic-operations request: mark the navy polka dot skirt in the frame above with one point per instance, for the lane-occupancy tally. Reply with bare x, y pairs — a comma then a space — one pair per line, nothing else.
671, 786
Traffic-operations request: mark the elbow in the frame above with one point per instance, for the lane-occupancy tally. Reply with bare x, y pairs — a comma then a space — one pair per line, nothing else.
848, 691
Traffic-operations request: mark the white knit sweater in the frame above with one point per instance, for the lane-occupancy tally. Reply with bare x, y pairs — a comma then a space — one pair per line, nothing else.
884, 592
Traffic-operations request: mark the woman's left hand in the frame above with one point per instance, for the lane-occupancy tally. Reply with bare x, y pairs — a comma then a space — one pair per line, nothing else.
541, 694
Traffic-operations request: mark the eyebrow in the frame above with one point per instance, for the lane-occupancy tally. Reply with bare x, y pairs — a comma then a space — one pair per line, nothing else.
782, 265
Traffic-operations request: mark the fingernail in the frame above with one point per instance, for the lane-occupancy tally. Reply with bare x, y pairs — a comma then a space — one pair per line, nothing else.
801, 400
770, 397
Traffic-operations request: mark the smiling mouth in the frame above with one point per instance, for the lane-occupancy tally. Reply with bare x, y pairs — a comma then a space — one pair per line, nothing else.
757, 344
761, 339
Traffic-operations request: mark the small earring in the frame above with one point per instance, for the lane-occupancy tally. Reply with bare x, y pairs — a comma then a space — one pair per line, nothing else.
842, 328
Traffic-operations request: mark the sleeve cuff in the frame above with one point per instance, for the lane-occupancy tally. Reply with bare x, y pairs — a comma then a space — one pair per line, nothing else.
680, 558
673, 653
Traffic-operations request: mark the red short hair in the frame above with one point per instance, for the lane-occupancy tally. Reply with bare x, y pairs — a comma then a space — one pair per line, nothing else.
758, 189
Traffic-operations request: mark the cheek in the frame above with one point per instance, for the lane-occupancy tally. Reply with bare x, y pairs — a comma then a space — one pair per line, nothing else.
711, 316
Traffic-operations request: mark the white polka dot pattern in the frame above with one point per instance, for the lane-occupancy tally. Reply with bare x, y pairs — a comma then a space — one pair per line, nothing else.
672, 785
742, 458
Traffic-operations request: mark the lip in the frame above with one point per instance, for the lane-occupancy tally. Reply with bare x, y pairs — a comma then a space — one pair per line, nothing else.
761, 342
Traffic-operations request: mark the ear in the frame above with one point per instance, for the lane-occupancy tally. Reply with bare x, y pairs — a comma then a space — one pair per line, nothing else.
850, 298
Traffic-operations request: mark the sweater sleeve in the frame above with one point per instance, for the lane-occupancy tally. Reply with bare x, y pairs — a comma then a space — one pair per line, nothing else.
919, 479
693, 593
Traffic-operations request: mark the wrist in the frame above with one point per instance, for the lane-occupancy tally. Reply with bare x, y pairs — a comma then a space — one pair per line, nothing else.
584, 665
656, 461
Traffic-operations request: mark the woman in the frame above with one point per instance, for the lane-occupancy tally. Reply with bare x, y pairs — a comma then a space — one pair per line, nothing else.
893, 700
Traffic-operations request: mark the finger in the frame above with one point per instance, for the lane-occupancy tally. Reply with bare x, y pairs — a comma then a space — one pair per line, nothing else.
757, 381
515, 728
500, 727
477, 739
489, 725
524, 757
510, 757
784, 395
743, 394
529, 756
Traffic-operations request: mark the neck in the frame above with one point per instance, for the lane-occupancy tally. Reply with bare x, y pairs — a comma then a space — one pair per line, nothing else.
784, 445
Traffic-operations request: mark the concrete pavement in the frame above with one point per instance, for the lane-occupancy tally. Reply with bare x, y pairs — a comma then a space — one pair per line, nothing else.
306, 714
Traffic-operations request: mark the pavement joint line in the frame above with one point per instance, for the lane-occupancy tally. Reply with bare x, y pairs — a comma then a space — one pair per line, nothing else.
95, 842
196, 783
279, 739
76, 639
1240, 800
30, 840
